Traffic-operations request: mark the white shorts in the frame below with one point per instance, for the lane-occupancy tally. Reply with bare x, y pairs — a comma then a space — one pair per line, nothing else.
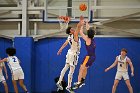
2, 79
17, 74
120, 75
72, 58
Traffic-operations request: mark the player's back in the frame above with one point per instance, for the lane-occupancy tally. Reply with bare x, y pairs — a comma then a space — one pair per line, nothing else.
91, 48
13, 63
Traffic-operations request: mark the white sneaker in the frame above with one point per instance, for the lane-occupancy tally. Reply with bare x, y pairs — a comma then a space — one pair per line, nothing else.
69, 89
59, 86
78, 85
82, 85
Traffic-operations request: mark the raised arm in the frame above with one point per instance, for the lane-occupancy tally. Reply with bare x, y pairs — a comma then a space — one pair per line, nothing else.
78, 28
82, 33
113, 65
87, 25
131, 66
62, 47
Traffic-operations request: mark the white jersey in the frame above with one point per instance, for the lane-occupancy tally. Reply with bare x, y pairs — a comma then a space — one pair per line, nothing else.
122, 64
13, 63
74, 46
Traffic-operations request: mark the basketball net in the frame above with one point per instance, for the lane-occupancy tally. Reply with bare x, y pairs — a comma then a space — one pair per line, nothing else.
63, 23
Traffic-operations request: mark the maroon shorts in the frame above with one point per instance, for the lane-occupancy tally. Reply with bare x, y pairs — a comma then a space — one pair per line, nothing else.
88, 60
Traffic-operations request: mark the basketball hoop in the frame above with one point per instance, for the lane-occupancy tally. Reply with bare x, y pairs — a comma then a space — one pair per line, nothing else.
63, 21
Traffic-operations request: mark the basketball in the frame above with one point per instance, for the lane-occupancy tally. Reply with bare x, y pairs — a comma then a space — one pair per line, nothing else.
83, 7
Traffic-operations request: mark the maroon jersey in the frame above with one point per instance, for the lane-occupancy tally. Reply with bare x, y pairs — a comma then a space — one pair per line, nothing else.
91, 48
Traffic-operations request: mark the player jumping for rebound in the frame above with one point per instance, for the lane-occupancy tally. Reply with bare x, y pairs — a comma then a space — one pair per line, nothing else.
89, 58
72, 54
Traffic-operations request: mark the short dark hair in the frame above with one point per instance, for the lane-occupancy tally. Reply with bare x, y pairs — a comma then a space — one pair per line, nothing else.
91, 33
11, 51
125, 50
68, 30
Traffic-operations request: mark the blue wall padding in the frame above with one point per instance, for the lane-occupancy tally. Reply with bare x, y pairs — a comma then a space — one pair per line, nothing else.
41, 63
97, 80
24, 47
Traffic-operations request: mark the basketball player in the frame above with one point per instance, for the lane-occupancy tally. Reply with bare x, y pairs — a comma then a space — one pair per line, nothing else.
16, 70
122, 71
2, 79
72, 54
90, 56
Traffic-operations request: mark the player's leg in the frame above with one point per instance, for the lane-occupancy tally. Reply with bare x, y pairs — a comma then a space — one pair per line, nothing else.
115, 86
127, 81
21, 80
90, 61
62, 76
73, 62
70, 77
15, 86
81, 70
129, 86
84, 74
14, 81
2, 79
118, 77
67, 65
63, 72
80, 73
84, 67
22, 85
81, 77
5, 86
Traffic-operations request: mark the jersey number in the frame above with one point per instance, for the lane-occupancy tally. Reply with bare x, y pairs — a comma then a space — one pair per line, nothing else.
14, 60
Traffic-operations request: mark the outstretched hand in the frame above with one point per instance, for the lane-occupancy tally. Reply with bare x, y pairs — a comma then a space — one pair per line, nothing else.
106, 69
59, 52
81, 23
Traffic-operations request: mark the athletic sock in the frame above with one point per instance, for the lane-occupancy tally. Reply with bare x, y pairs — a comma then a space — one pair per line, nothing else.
82, 80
